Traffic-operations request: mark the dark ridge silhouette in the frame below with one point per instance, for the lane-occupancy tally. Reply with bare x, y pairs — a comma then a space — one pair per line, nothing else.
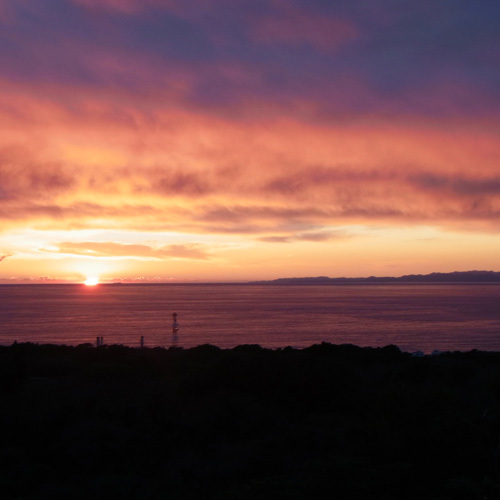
328, 421
454, 277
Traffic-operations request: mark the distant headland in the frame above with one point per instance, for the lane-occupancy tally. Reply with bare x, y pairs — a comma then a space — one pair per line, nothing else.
453, 277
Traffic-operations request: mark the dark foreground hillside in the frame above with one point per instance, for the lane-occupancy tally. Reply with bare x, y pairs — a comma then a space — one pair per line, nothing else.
336, 422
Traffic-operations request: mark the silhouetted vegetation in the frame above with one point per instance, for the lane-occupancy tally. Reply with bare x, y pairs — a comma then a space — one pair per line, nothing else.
329, 421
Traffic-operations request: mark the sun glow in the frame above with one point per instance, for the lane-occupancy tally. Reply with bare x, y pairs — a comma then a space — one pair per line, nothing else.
91, 281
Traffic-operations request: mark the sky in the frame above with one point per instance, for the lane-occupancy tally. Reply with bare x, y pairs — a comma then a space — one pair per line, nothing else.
233, 140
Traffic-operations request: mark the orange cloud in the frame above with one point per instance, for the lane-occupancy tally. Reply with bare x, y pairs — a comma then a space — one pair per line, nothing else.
112, 249
167, 167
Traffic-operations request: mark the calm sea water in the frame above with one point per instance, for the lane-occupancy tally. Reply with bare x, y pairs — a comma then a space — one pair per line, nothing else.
414, 317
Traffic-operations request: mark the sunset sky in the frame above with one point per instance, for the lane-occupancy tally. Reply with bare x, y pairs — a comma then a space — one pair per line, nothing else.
228, 140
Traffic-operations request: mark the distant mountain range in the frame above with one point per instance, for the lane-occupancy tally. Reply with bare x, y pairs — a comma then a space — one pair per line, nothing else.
454, 277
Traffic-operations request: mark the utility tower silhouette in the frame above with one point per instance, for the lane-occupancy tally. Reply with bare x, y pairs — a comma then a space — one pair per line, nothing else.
175, 330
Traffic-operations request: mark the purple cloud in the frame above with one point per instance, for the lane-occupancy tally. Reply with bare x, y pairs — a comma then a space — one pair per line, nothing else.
342, 56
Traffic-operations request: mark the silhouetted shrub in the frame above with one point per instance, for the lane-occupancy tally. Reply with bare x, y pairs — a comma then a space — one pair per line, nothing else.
327, 421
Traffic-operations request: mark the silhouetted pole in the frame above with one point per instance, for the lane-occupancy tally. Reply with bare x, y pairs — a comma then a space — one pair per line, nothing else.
175, 330
142, 341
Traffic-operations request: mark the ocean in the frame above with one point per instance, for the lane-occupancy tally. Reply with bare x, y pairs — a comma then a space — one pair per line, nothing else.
415, 317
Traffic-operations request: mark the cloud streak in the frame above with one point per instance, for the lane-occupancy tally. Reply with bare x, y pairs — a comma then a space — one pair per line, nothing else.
311, 236
113, 249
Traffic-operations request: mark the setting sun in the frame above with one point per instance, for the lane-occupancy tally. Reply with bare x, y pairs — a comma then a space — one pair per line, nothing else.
91, 281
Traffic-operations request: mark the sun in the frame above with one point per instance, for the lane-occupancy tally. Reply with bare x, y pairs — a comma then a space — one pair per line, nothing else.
91, 281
